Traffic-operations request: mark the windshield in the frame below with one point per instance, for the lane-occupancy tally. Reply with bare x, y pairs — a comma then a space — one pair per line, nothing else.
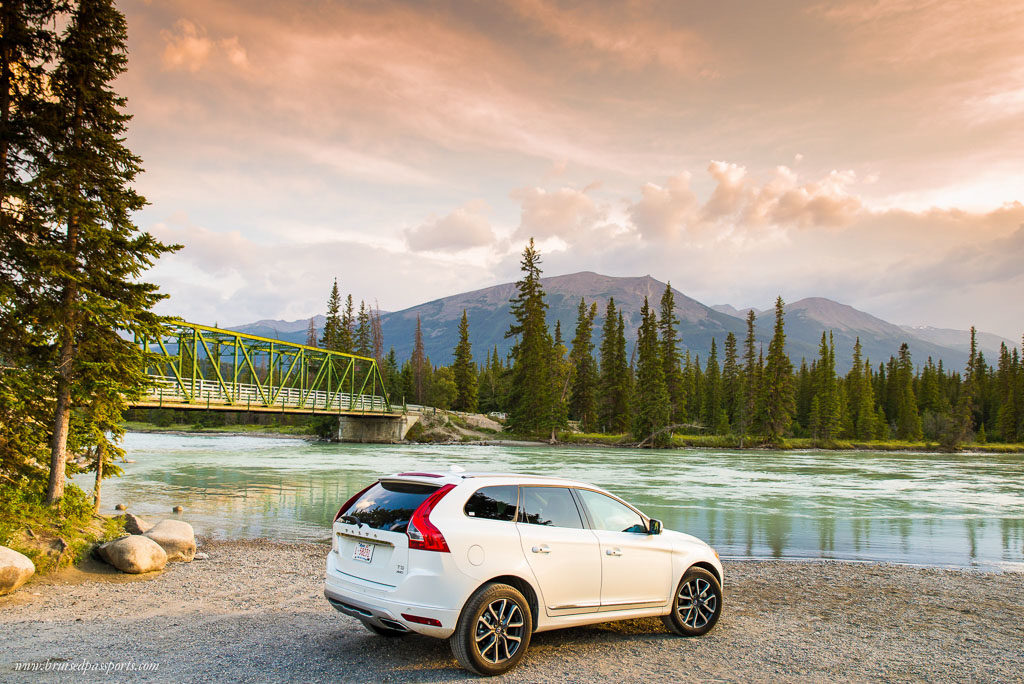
389, 505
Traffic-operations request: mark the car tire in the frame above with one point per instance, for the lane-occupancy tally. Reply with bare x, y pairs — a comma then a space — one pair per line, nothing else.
383, 631
696, 605
493, 631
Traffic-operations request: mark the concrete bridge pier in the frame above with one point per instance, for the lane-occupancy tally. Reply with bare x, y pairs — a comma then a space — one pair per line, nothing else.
375, 429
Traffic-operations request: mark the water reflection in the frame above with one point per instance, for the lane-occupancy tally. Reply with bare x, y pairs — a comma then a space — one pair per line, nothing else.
917, 508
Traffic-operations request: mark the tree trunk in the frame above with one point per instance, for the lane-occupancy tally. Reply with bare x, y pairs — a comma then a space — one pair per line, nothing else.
62, 412
101, 457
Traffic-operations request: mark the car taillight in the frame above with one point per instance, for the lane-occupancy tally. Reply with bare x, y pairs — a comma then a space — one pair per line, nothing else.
351, 501
421, 532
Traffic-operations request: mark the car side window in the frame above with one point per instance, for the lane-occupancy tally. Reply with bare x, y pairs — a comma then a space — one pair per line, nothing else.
493, 503
609, 514
552, 506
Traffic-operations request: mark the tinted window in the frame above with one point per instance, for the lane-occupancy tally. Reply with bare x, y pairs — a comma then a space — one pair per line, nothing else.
389, 505
493, 503
609, 514
552, 506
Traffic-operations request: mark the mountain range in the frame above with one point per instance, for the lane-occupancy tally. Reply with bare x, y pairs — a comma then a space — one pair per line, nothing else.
489, 318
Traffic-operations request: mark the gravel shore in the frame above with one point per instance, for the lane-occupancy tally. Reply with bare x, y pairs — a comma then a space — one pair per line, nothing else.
254, 611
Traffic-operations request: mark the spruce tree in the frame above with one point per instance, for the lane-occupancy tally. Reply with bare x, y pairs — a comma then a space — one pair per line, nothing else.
27, 43
826, 423
363, 341
667, 326
418, 366
651, 417
711, 406
908, 420
332, 324
731, 380
94, 254
583, 394
346, 332
533, 403
614, 385
746, 406
777, 384
464, 370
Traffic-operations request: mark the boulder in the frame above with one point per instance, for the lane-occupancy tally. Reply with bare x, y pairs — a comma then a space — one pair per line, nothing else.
134, 554
15, 569
133, 524
176, 537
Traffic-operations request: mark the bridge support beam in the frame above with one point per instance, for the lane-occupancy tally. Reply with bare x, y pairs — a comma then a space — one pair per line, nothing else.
375, 429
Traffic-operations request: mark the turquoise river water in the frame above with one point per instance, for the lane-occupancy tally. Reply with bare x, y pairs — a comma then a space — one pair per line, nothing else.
942, 510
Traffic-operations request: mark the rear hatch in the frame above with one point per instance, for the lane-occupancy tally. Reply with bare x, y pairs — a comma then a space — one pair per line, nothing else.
370, 535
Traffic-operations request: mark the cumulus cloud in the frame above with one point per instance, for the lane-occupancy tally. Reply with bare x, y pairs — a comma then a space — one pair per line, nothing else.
664, 212
464, 228
189, 48
565, 213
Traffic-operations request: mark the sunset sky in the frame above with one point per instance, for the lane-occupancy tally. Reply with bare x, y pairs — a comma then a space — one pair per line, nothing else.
869, 151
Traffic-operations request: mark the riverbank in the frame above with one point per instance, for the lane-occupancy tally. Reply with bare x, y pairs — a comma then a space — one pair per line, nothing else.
254, 611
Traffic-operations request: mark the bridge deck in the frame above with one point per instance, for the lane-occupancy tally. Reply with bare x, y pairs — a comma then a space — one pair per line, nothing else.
215, 396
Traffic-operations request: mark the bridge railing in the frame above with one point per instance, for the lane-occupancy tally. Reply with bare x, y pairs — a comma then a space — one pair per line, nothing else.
246, 396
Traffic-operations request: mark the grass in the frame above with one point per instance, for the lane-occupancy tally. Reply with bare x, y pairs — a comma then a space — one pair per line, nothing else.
51, 536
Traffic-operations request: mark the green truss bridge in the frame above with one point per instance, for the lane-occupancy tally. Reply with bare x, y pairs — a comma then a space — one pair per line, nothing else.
198, 367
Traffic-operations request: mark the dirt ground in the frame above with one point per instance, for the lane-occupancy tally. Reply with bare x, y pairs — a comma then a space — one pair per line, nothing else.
254, 611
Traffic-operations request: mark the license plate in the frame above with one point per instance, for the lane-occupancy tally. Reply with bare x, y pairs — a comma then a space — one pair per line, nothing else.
363, 552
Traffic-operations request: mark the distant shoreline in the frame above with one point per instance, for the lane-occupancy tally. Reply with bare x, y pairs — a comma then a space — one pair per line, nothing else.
681, 443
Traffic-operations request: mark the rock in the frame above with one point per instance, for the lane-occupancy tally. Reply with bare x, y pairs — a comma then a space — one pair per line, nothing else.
134, 554
177, 509
176, 537
15, 569
202, 555
133, 524
120, 507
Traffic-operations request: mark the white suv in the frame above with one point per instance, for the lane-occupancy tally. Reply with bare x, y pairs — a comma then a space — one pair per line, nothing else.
486, 560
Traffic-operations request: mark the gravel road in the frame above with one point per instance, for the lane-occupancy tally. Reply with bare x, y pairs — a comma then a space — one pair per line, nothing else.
254, 611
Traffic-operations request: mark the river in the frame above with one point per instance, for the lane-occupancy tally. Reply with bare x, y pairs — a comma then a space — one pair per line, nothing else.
953, 510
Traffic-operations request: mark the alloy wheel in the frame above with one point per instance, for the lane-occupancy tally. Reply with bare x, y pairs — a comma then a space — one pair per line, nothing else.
499, 631
696, 603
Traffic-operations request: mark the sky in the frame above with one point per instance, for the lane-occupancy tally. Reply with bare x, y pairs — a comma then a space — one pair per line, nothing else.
869, 151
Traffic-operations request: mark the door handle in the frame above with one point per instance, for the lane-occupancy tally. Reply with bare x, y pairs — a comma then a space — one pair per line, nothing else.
543, 548
613, 552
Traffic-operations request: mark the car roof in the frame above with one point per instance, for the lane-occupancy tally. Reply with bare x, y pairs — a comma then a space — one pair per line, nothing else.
484, 478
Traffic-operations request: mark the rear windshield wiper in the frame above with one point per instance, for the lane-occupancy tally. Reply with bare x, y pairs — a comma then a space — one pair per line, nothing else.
350, 520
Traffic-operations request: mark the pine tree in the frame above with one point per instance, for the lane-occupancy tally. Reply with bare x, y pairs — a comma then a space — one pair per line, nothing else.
27, 43
418, 366
94, 254
711, 405
777, 387
533, 402
311, 333
346, 333
332, 324
392, 376
583, 395
1006, 379
651, 416
614, 385
746, 406
826, 423
865, 423
363, 342
464, 370
731, 380
908, 420
667, 326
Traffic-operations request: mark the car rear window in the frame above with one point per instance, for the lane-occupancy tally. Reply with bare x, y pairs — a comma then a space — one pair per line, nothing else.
493, 503
389, 505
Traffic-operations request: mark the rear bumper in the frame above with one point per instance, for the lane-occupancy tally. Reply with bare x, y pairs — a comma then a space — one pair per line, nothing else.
375, 606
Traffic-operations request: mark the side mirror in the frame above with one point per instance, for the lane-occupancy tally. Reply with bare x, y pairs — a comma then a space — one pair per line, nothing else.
655, 527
